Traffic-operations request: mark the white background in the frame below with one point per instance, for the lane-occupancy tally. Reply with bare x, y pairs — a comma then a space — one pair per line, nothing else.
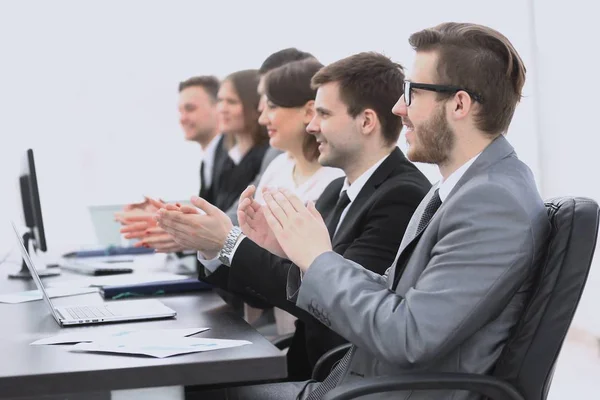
92, 87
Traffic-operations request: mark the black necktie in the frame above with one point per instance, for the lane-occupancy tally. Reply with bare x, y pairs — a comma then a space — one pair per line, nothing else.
203, 185
434, 203
334, 218
430, 209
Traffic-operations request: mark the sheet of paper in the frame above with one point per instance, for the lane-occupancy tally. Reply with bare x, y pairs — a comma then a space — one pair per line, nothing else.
123, 279
92, 335
165, 347
32, 295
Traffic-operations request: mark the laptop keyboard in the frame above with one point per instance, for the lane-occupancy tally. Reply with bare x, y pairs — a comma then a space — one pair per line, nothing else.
89, 312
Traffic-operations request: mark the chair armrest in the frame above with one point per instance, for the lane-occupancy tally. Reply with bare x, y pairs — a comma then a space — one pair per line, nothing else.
488, 386
283, 341
326, 362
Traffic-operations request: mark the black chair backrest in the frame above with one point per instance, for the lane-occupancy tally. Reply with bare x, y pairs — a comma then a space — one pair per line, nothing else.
529, 357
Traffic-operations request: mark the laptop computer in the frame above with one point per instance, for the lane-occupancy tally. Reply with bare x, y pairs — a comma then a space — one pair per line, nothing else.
127, 310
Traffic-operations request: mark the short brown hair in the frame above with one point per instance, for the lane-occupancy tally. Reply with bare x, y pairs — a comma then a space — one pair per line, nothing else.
245, 83
481, 60
289, 86
208, 82
368, 80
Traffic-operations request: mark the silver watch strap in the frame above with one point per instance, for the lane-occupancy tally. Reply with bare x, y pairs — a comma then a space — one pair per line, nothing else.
230, 241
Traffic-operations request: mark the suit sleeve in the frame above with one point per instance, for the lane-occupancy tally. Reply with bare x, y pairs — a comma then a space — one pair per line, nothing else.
482, 256
220, 279
261, 275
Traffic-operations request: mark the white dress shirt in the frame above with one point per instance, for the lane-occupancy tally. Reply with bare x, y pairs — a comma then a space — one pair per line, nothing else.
280, 174
446, 185
235, 154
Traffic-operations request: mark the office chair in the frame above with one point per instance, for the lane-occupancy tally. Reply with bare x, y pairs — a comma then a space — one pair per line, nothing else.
525, 367
283, 342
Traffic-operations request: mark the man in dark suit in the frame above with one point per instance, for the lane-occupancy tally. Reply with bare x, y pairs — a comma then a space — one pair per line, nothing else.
364, 211
198, 118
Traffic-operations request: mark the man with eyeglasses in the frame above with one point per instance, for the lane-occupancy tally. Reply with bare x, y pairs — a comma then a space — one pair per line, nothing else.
464, 270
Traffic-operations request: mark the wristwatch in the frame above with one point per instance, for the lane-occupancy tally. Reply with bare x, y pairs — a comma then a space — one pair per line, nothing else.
230, 241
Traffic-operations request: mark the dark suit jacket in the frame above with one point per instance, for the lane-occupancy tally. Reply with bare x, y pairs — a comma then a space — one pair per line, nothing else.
369, 235
227, 184
235, 179
220, 159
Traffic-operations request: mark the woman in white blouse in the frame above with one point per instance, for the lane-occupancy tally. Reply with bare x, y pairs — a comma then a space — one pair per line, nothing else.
288, 108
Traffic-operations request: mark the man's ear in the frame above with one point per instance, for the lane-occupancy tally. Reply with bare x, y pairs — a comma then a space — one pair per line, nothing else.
462, 105
369, 121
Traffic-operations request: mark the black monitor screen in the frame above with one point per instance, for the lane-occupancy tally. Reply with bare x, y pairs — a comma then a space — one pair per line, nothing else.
30, 199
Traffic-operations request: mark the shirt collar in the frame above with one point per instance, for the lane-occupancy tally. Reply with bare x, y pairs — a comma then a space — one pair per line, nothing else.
211, 149
235, 154
352, 190
448, 184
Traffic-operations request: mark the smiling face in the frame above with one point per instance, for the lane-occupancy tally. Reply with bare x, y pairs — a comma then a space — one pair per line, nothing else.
197, 114
337, 132
286, 126
428, 133
230, 109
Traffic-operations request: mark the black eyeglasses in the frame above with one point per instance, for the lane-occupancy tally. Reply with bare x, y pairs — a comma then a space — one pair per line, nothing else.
409, 86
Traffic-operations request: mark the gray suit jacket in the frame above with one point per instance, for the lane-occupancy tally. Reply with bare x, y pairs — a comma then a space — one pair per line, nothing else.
460, 290
269, 156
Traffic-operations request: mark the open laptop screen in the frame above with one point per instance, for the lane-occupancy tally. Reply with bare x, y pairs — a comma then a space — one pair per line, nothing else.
34, 274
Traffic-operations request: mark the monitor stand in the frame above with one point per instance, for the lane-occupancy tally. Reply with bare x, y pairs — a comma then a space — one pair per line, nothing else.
24, 272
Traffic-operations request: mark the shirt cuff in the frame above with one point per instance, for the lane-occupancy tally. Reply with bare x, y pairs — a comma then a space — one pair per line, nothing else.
209, 265
214, 263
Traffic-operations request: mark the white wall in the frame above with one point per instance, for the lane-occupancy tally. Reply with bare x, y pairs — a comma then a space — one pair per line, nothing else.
567, 43
91, 86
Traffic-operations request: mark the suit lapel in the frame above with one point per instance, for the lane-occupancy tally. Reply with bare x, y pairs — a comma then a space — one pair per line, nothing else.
410, 234
494, 152
386, 168
329, 197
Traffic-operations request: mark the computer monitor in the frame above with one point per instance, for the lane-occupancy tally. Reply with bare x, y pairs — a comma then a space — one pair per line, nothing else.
35, 238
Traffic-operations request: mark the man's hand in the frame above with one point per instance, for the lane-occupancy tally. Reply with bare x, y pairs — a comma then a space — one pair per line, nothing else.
254, 225
145, 208
300, 231
192, 230
136, 226
159, 240
140, 224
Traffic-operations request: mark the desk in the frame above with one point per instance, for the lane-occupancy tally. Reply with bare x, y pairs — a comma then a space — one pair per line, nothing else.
52, 370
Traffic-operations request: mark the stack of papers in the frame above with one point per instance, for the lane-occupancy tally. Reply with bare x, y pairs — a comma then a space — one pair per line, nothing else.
160, 349
32, 295
91, 335
158, 343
